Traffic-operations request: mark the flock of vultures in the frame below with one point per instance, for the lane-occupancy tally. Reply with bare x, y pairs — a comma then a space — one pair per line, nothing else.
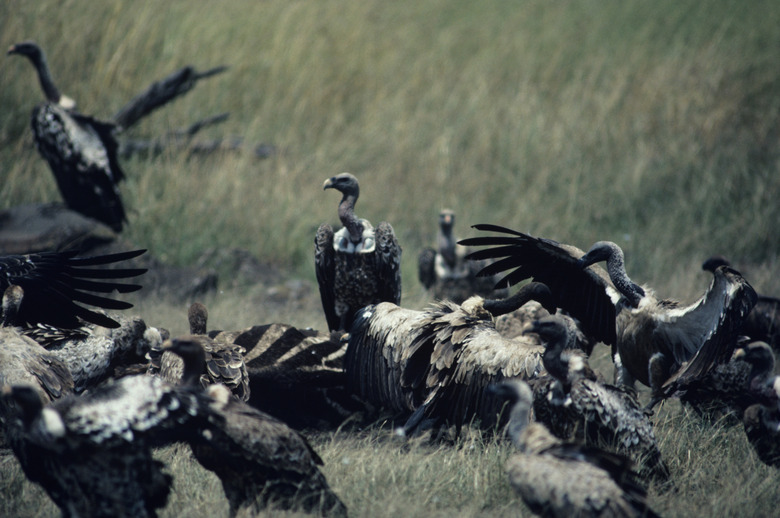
88, 393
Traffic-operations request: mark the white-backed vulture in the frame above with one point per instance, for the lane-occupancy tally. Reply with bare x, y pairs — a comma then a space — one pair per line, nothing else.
445, 272
578, 406
80, 150
655, 341
437, 363
358, 265
259, 460
54, 284
763, 321
563, 479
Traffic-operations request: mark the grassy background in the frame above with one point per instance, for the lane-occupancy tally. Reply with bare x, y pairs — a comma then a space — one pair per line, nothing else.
652, 124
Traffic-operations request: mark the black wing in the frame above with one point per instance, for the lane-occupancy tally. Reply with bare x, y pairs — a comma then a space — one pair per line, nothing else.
426, 267
53, 283
587, 294
388, 263
325, 268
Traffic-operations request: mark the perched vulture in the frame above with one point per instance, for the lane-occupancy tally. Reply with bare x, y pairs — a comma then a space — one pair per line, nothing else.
763, 322
445, 272
562, 479
259, 459
80, 150
54, 284
358, 265
436, 364
574, 405
655, 341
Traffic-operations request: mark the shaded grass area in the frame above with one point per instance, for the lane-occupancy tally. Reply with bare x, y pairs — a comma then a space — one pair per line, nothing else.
377, 474
654, 125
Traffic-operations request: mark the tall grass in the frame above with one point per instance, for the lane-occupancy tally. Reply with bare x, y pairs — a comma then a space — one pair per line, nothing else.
652, 124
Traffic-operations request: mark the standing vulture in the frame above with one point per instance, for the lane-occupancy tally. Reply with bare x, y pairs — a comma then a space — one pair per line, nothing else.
436, 364
259, 459
80, 150
763, 322
656, 341
53, 283
561, 479
445, 272
358, 265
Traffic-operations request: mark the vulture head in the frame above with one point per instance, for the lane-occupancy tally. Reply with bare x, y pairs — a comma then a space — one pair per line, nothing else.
345, 183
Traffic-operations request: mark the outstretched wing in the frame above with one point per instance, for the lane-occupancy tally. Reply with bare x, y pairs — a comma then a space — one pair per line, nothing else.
586, 294
54, 282
718, 317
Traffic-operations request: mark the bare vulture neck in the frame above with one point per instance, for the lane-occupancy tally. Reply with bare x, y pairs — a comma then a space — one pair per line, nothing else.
348, 218
44, 76
616, 268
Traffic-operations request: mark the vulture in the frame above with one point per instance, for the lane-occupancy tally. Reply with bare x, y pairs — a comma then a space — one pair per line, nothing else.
86, 472
54, 283
224, 360
762, 427
99, 354
562, 479
574, 405
358, 265
81, 150
763, 322
25, 362
656, 341
434, 366
732, 386
259, 459
92, 453
445, 272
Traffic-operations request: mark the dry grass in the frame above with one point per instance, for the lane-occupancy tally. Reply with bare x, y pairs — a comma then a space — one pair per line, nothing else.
653, 124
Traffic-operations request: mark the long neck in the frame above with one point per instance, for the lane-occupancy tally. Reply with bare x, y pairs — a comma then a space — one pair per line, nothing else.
44, 76
348, 218
447, 245
616, 268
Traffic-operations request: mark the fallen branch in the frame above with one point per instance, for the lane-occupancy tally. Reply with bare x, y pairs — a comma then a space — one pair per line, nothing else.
160, 93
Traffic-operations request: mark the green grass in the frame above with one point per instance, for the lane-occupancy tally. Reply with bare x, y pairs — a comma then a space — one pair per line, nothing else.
652, 124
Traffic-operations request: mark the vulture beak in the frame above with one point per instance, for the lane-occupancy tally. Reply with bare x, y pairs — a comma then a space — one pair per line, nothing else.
328, 184
11, 50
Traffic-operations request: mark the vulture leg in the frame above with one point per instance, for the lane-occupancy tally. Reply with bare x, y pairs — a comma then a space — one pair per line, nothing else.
659, 370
